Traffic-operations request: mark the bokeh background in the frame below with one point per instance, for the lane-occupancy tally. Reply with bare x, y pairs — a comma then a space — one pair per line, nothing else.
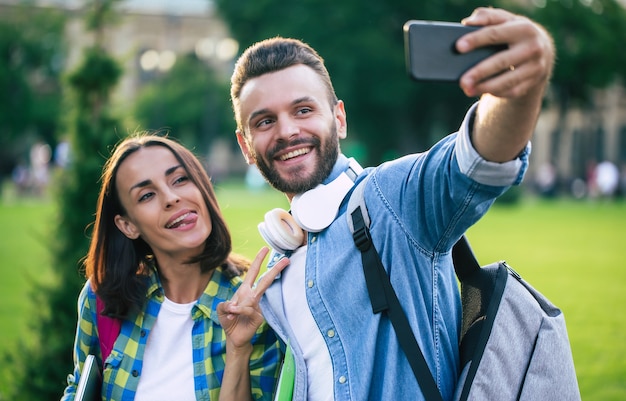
77, 76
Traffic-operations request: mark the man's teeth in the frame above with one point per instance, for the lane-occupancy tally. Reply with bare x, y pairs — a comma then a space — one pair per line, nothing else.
295, 153
178, 220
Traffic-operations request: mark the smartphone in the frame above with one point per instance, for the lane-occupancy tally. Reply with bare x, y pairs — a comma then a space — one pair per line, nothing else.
431, 53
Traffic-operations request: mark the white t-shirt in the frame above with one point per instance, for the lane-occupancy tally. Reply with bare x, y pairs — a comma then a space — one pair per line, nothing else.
167, 372
308, 335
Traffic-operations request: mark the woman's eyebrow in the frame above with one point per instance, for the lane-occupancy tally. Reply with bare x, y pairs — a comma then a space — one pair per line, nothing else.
145, 183
171, 170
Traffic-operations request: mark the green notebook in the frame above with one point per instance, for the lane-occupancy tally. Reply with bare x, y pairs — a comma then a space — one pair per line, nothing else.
287, 377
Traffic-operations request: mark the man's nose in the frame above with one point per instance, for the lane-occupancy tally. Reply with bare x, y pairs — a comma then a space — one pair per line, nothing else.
287, 128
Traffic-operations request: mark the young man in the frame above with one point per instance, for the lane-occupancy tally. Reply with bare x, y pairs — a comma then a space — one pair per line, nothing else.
289, 124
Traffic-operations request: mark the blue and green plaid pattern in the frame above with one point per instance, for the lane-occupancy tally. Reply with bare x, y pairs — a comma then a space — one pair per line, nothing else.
123, 367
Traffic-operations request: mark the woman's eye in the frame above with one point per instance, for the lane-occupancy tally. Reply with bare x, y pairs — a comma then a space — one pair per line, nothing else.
146, 196
181, 179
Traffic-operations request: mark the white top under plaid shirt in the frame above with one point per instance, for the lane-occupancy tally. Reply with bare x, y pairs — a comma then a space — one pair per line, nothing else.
123, 367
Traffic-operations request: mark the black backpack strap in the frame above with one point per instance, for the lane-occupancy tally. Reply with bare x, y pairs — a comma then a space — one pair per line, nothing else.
384, 299
465, 262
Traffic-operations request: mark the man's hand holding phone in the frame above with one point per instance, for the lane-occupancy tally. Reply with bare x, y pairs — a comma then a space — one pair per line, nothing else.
526, 65
492, 51
431, 53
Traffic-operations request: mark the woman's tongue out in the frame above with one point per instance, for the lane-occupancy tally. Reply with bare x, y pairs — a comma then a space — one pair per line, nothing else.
183, 221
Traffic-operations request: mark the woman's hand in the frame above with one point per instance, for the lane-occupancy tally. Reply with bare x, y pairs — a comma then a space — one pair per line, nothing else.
241, 316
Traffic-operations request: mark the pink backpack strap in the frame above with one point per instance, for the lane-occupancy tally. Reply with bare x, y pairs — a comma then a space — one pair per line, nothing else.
108, 329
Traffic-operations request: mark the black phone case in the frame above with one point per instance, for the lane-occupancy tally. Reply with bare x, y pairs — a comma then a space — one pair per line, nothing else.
431, 54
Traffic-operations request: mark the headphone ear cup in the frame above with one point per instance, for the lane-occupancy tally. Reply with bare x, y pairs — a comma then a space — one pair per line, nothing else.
281, 231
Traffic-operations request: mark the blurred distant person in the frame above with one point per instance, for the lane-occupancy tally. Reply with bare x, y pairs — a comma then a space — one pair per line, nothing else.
62, 154
21, 178
40, 154
607, 179
546, 180
254, 178
622, 181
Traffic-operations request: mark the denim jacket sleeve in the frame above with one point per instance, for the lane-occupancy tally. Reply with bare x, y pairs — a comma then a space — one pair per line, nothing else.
437, 195
483, 171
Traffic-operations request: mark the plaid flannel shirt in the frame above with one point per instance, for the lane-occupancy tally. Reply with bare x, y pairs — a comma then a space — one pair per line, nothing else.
122, 369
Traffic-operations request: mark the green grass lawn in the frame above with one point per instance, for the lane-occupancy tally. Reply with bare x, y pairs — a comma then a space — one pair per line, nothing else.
573, 252
24, 260
244, 209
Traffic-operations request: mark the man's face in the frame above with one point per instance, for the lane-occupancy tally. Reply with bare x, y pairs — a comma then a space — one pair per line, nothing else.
291, 131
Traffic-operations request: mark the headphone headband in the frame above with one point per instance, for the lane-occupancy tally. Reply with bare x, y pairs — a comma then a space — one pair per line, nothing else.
313, 211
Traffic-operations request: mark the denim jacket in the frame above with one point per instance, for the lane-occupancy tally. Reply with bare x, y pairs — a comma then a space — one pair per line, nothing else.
419, 206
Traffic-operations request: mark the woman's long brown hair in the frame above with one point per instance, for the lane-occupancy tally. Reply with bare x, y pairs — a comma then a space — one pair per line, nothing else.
116, 265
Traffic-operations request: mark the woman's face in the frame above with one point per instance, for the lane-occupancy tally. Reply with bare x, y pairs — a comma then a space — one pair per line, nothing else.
162, 205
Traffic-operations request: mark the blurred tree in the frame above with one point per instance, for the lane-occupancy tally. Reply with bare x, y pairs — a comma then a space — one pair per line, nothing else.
362, 43
42, 368
588, 35
190, 102
31, 54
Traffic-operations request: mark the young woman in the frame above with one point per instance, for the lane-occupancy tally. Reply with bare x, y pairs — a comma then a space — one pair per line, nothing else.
160, 261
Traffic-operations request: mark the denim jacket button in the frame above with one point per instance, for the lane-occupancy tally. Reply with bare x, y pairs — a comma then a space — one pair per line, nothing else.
342, 379
331, 333
310, 283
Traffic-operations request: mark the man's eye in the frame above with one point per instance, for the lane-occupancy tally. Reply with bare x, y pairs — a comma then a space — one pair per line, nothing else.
304, 110
263, 122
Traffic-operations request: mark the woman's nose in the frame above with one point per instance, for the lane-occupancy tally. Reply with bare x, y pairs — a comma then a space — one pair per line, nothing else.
171, 198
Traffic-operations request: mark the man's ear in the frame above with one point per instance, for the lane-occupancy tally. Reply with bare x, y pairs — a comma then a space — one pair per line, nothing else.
341, 120
126, 227
245, 147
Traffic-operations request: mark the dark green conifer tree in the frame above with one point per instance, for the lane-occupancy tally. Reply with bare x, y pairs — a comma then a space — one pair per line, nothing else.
42, 367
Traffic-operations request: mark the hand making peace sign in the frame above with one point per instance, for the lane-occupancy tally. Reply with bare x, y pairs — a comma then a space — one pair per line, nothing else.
241, 316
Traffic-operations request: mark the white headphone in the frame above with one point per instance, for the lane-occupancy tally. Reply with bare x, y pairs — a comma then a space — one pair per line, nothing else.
281, 231
313, 211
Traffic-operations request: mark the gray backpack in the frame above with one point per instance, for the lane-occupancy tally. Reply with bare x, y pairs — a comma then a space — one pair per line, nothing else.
513, 344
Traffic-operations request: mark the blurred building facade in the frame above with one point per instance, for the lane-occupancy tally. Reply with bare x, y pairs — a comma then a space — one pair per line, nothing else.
151, 34
575, 142
147, 39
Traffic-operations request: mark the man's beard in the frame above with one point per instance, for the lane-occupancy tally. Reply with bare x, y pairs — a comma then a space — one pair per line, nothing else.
326, 158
